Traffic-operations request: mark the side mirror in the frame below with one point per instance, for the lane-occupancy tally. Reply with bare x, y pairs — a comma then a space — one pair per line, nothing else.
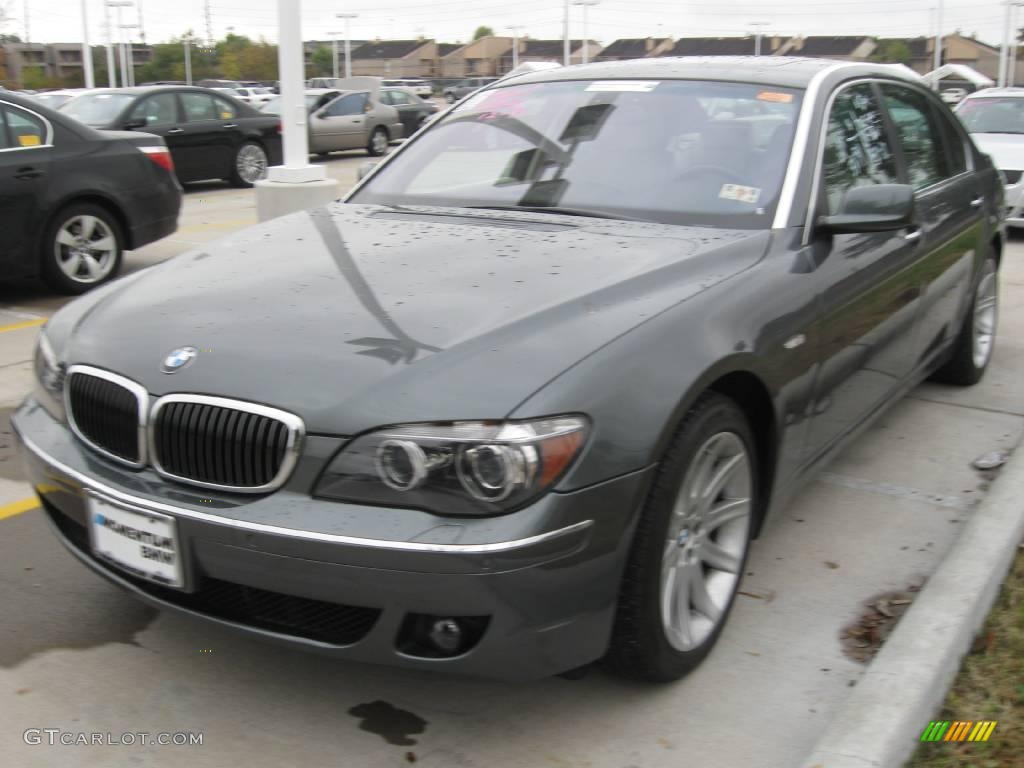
364, 169
135, 122
872, 208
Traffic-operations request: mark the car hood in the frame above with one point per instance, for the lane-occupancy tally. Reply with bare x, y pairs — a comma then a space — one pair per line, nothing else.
1005, 149
355, 316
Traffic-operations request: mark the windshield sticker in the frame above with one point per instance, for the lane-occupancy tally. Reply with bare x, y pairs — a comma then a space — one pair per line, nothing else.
775, 97
740, 193
635, 86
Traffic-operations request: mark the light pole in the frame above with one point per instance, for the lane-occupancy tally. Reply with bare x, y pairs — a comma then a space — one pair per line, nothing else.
334, 51
1006, 65
758, 34
565, 34
111, 69
187, 42
515, 44
938, 37
1011, 69
586, 47
119, 4
348, 44
90, 82
128, 52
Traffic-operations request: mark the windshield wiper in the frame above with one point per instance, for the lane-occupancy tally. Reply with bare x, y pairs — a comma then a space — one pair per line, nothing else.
587, 212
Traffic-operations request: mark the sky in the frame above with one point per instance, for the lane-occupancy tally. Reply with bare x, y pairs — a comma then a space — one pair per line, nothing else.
455, 20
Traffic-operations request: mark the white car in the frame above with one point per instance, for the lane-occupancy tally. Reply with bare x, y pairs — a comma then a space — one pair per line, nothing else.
995, 119
420, 87
57, 99
953, 95
254, 96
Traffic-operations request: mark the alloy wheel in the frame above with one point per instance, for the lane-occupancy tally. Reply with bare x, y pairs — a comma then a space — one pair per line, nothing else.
986, 312
706, 543
251, 163
380, 142
85, 249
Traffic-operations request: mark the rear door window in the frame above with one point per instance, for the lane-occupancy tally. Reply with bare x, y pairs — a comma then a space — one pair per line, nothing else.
158, 110
198, 106
919, 135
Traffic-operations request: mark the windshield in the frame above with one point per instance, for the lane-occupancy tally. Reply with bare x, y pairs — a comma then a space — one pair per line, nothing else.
993, 115
677, 152
97, 109
53, 100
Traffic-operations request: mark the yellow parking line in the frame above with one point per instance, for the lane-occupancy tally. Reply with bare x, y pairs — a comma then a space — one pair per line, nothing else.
23, 324
17, 507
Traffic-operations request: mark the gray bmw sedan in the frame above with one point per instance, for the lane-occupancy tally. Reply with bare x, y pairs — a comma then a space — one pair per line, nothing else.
522, 401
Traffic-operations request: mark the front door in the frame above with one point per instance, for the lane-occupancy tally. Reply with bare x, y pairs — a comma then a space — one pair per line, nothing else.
868, 284
341, 124
160, 114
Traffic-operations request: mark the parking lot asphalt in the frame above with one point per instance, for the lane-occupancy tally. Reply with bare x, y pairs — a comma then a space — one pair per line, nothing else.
78, 655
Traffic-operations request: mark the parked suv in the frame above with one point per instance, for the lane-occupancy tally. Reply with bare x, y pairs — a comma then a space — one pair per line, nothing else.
462, 89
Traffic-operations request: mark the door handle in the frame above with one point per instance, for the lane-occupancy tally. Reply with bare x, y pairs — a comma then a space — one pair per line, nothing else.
977, 202
356, 122
175, 130
28, 172
230, 125
913, 235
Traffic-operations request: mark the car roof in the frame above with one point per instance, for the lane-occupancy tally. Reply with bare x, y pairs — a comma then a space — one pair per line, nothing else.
139, 90
785, 71
992, 92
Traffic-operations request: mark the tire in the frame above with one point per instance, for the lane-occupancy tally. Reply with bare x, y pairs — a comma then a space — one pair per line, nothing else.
972, 350
82, 248
450, 98
702, 555
249, 165
378, 143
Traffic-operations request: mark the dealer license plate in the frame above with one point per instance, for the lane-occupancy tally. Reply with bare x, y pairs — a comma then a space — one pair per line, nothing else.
141, 542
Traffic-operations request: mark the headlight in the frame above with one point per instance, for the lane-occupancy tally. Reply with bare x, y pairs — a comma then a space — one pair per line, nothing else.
49, 389
459, 468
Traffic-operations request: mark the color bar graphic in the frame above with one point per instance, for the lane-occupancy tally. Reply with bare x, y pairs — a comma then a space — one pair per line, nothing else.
958, 730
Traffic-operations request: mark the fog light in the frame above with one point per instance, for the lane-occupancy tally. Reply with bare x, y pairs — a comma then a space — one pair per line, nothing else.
446, 635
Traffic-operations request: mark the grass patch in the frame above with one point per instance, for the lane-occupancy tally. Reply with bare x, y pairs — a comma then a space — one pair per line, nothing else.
990, 686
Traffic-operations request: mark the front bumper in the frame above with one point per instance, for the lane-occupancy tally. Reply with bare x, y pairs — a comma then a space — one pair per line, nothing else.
548, 591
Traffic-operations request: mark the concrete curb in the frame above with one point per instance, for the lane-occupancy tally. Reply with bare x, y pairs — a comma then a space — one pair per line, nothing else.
905, 685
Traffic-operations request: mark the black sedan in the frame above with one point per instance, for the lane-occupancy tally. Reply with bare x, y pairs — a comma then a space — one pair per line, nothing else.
210, 134
413, 111
523, 400
73, 199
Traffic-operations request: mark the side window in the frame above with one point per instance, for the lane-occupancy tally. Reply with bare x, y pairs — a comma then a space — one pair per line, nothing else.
353, 104
919, 135
955, 152
161, 109
225, 109
198, 106
386, 97
399, 98
857, 150
24, 130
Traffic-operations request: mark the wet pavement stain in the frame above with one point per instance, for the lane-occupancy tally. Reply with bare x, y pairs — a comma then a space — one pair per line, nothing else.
390, 723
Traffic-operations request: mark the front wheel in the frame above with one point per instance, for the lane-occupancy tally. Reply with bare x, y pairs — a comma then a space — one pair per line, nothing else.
690, 546
972, 349
82, 248
378, 142
250, 165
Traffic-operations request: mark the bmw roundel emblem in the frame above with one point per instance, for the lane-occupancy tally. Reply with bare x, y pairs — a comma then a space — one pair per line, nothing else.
178, 358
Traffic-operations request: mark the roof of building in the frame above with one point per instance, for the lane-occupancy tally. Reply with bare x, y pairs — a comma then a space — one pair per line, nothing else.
712, 46
843, 45
551, 48
631, 47
443, 49
387, 49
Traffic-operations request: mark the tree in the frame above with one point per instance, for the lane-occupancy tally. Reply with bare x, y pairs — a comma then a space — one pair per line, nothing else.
249, 61
482, 31
321, 63
35, 78
892, 52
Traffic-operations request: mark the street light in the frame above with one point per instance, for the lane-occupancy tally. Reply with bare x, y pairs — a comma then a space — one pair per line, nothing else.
515, 44
128, 58
86, 50
187, 41
348, 44
334, 51
586, 48
118, 4
757, 25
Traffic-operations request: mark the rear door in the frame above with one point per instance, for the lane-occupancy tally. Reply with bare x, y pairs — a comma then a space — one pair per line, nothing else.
949, 204
24, 176
869, 283
408, 113
204, 140
341, 124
